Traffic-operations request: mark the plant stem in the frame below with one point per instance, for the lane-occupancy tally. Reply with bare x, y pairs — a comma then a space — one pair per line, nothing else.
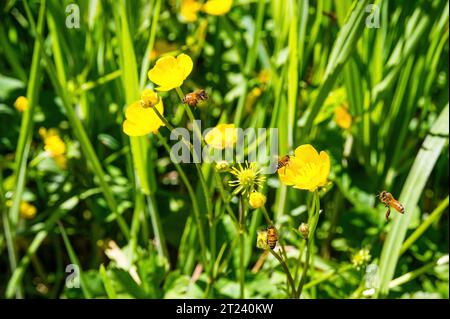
286, 270
195, 206
242, 247
424, 225
314, 218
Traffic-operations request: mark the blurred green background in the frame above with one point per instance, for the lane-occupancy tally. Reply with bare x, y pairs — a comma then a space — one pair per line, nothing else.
266, 63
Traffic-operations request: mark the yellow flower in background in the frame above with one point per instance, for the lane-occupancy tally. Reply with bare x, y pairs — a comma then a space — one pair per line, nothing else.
307, 169
189, 10
140, 118
264, 76
170, 72
26, 210
54, 146
217, 7
223, 135
257, 200
21, 103
248, 178
342, 117
252, 97
361, 258
162, 47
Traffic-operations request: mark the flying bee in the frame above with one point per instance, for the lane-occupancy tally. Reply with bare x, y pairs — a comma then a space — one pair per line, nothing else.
283, 162
193, 98
272, 237
390, 202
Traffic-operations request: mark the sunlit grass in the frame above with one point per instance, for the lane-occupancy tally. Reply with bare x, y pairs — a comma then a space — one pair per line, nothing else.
139, 225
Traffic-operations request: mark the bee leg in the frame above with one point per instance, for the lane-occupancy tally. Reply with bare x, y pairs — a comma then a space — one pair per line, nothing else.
388, 212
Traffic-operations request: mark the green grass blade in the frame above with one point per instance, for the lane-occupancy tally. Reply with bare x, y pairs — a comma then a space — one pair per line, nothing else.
342, 50
74, 260
42, 234
110, 291
410, 195
79, 130
434, 216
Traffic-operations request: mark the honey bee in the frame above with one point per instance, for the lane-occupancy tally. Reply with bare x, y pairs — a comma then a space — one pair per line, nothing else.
272, 237
389, 201
283, 162
193, 98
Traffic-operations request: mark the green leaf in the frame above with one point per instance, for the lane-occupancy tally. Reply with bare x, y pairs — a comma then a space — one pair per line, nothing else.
412, 190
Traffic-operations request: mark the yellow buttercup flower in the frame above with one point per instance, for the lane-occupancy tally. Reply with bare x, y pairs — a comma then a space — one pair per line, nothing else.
223, 135
21, 103
217, 7
342, 117
54, 146
27, 210
170, 72
189, 10
257, 200
307, 169
141, 119
248, 178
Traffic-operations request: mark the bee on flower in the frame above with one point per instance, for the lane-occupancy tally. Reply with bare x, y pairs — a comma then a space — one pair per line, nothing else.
307, 169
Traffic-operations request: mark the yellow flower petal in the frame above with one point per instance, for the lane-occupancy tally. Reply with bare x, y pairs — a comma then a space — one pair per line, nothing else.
325, 170
307, 169
189, 10
21, 103
142, 121
170, 72
185, 63
306, 153
342, 117
217, 7
223, 135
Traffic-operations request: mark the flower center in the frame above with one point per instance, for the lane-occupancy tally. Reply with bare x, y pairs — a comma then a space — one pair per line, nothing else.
247, 178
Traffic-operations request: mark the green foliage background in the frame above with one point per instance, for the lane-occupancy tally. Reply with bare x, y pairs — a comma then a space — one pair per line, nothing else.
394, 80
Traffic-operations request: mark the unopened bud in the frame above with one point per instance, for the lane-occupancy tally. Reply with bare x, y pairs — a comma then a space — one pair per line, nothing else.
149, 98
222, 166
304, 230
257, 200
